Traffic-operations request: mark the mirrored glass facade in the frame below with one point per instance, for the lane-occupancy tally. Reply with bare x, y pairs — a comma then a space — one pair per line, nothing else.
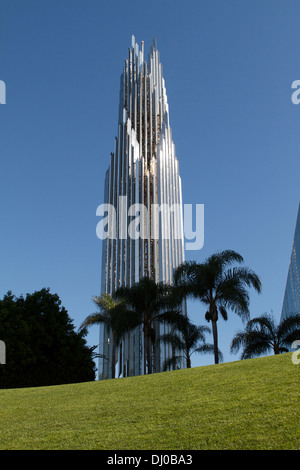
143, 170
291, 303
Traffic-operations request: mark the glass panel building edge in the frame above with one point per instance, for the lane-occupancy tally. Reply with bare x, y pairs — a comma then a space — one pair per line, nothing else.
291, 302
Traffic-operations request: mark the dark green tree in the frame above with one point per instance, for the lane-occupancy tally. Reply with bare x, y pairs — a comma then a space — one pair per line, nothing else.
42, 346
219, 286
263, 335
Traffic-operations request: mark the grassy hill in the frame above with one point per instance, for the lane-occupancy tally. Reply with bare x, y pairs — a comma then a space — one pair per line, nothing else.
252, 404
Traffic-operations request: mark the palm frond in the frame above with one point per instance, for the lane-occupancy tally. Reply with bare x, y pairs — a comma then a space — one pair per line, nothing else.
225, 258
262, 335
173, 339
171, 362
257, 343
223, 312
94, 319
265, 323
238, 341
289, 329
208, 349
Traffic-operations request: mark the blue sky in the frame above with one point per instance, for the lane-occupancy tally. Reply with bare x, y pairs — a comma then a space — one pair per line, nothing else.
228, 67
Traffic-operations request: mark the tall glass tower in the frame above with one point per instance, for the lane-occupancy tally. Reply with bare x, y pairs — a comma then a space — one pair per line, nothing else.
291, 302
143, 173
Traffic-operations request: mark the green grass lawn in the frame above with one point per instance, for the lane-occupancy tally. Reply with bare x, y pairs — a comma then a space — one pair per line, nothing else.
251, 404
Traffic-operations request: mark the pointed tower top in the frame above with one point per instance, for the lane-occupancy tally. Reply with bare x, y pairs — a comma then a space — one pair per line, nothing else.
133, 41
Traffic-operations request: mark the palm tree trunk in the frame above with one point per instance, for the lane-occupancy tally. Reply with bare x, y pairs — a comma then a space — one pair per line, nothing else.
188, 362
215, 338
149, 355
113, 359
153, 357
174, 358
276, 347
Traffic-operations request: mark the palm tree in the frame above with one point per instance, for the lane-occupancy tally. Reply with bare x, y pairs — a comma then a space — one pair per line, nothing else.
148, 303
186, 339
219, 286
109, 314
263, 335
